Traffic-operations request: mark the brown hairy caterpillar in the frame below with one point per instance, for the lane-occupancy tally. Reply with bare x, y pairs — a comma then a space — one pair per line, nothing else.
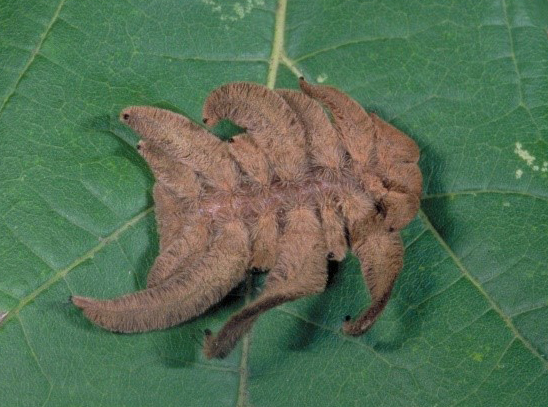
297, 188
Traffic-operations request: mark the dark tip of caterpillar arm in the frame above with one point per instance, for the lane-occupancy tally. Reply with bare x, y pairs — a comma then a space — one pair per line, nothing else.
124, 115
207, 332
347, 318
205, 119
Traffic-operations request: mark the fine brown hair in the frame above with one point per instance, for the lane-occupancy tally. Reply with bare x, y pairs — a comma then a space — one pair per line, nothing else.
313, 176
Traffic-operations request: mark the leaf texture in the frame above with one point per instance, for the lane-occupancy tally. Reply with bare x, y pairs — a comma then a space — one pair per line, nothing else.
466, 325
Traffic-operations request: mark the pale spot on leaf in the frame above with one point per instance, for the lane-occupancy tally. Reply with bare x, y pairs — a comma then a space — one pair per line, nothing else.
529, 160
524, 154
214, 6
233, 11
478, 357
321, 78
239, 10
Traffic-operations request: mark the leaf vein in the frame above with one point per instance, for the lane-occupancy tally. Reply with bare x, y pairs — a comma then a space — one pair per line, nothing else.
277, 44
33, 54
487, 376
337, 333
86, 256
345, 44
485, 191
35, 357
507, 320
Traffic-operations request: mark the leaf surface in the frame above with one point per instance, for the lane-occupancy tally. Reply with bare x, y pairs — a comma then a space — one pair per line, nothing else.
466, 324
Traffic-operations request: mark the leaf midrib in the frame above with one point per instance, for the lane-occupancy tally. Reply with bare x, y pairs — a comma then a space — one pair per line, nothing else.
272, 73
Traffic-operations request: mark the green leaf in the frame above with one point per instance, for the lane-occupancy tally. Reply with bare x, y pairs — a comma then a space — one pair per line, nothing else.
466, 324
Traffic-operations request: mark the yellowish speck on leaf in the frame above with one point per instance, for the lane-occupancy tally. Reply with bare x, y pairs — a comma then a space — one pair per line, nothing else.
524, 154
321, 78
478, 357
239, 10
233, 11
529, 160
